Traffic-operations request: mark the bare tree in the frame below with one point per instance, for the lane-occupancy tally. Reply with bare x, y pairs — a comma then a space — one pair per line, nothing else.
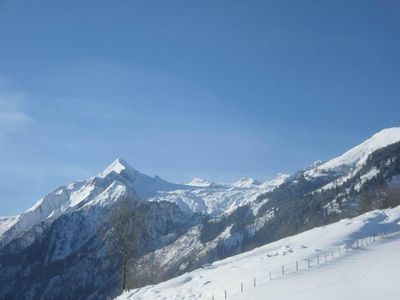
128, 228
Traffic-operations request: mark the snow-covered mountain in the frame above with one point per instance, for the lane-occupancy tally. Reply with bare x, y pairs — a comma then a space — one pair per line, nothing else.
297, 204
102, 190
200, 182
188, 225
246, 182
198, 196
69, 218
61, 239
350, 162
268, 186
145, 186
205, 197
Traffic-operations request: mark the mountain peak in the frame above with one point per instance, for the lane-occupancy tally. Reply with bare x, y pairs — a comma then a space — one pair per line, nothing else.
275, 182
200, 182
118, 166
246, 182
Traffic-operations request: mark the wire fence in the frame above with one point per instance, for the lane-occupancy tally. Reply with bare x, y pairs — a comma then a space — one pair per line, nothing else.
319, 259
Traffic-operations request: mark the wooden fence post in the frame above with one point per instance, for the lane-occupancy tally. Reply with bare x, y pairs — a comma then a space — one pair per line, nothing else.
226, 295
297, 265
254, 282
283, 270
241, 287
270, 275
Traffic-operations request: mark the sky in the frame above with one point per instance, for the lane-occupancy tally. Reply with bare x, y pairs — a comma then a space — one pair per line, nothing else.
213, 89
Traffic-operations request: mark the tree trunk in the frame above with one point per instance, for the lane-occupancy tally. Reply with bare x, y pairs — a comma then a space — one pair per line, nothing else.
124, 270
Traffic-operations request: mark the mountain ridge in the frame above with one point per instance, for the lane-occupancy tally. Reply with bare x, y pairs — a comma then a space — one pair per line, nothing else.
189, 226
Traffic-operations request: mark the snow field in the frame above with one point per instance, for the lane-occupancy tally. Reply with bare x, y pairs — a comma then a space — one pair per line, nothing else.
320, 259
368, 273
253, 268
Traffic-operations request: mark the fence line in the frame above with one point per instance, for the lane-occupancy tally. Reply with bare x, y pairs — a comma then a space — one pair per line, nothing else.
312, 261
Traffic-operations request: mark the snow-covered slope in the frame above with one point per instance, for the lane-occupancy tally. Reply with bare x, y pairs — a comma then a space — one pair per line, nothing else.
214, 279
354, 158
367, 273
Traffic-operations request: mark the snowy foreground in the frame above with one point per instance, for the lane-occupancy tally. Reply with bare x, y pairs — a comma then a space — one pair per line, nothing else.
369, 271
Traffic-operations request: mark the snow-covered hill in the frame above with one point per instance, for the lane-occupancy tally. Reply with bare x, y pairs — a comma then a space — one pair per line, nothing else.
365, 274
228, 274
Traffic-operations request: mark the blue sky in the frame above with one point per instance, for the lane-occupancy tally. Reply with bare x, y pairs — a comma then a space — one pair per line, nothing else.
215, 89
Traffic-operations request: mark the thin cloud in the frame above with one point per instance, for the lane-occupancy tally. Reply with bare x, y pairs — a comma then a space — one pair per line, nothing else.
12, 115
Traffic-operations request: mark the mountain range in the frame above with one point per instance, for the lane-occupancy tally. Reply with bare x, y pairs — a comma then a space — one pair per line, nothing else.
60, 247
